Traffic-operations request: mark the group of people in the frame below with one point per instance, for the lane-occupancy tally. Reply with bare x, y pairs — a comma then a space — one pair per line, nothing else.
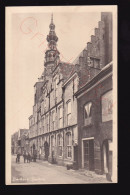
27, 157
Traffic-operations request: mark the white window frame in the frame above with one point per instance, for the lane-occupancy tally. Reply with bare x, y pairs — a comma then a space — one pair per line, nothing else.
43, 124
56, 87
47, 118
60, 117
53, 120
60, 144
69, 144
68, 113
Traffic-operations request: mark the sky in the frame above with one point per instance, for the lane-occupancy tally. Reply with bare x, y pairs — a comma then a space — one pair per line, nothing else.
26, 32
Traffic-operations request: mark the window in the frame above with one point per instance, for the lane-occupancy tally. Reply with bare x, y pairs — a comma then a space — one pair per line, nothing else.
60, 144
87, 114
60, 117
68, 112
53, 120
39, 116
42, 107
69, 147
96, 63
107, 106
39, 127
75, 84
47, 118
43, 125
56, 88
93, 62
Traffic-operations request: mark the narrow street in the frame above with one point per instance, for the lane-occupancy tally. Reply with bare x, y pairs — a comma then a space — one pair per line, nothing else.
45, 173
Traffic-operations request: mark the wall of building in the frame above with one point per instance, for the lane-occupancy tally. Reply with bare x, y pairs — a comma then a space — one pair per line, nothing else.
69, 95
92, 59
99, 130
14, 140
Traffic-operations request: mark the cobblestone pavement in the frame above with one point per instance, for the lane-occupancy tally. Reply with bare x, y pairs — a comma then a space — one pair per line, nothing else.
42, 172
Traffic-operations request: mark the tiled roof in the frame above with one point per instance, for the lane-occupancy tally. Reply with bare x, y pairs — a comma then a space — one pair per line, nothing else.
66, 69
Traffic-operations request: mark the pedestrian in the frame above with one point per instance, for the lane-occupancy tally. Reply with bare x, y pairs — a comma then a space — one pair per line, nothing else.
34, 155
28, 158
18, 157
40, 151
25, 156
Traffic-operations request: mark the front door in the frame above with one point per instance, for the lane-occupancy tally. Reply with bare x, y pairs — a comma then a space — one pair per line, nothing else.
46, 148
88, 154
76, 156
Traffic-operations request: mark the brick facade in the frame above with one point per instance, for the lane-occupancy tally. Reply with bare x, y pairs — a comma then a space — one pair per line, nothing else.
98, 129
94, 98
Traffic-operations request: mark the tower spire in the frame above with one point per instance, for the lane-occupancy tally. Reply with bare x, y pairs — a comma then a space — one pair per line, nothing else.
52, 54
52, 38
52, 18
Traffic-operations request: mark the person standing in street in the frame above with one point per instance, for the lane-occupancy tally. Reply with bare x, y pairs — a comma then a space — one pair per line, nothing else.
18, 157
28, 158
25, 156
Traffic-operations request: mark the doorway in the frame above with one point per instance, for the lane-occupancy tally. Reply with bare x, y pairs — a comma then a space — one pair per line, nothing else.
88, 154
46, 148
76, 156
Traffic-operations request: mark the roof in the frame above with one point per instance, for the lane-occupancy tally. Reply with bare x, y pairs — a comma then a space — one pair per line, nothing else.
66, 69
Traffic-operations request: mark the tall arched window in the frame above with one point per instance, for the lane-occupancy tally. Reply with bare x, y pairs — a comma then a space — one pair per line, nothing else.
56, 88
60, 114
69, 144
68, 112
53, 120
47, 122
60, 144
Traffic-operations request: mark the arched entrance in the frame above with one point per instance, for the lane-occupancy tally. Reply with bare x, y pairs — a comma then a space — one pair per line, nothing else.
46, 149
33, 148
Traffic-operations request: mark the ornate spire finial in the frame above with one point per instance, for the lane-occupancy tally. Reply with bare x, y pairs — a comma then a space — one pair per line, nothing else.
52, 18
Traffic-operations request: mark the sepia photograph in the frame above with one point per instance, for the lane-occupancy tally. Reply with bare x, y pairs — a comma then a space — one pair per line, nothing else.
61, 95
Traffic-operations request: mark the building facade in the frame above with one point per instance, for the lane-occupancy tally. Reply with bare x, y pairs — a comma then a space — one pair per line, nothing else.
95, 123
53, 125
14, 143
22, 140
95, 108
